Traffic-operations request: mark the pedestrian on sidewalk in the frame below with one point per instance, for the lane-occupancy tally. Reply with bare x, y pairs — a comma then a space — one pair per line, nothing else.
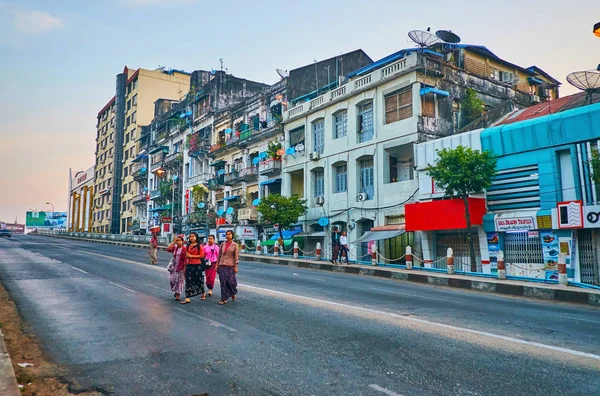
194, 266
335, 244
153, 250
176, 267
227, 267
344, 247
211, 256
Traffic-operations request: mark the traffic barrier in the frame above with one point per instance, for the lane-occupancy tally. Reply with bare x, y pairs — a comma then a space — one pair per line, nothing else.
501, 265
318, 251
276, 249
374, 255
296, 248
450, 261
409, 257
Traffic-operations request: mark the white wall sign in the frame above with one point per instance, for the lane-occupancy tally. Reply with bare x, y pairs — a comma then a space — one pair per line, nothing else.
591, 216
246, 233
515, 224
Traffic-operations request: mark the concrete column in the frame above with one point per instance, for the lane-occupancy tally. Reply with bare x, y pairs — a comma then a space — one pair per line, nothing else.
486, 267
501, 266
91, 209
416, 95
286, 184
84, 191
428, 245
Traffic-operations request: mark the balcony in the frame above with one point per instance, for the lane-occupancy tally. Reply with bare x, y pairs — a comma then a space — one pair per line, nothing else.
248, 174
247, 135
140, 199
372, 79
173, 161
231, 178
269, 167
202, 178
216, 183
141, 175
154, 194
248, 214
434, 127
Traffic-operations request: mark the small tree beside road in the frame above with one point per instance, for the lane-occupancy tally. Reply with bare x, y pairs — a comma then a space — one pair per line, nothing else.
285, 211
460, 172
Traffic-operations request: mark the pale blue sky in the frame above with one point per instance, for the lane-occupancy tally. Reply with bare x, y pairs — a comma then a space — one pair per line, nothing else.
59, 58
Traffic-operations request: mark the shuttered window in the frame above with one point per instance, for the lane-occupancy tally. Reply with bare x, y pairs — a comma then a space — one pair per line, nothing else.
428, 105
398, 106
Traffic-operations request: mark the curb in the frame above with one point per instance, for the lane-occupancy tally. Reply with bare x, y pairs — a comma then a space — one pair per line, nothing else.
508, 287
8, 381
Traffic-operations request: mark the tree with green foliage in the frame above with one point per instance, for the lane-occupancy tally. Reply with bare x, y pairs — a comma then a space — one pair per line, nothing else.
595, 165
281, 210
471, 107
460, 172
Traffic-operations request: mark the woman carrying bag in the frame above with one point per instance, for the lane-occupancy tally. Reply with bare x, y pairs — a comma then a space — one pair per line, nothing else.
227, 267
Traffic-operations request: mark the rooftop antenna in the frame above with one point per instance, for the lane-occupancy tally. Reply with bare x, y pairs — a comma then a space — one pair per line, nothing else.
422, 38
282, 73
221, 61
587, 81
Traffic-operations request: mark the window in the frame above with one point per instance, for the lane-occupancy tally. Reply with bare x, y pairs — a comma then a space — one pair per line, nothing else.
428, 105
340, 125
125, 172
398, 106
318, 136
132, 134
126, 154
132, 152
109, 180
319, 183
341, 178
126, 138
134, 86
128, 121
124, 206
296, 136
123, 224
367, 178
134, 100
129, 104
134, 117
455, 114
177, 147
365, 122
495, 74
131, 187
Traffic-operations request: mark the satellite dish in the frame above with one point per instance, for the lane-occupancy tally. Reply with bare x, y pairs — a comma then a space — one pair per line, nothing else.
220, 212
299, 147
422, 39
256, 202
228, 131
282, 73
221, 172
587, 81
323, 221
243, 201
255, 161
229, 210
188, 113
290, 151
447, 36
182, 115
201, 205
263, 155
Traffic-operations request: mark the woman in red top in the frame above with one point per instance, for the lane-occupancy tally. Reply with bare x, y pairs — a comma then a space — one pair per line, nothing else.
194, 277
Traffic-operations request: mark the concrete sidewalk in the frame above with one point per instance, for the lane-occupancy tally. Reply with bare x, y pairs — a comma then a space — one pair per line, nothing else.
509, 287
8, 381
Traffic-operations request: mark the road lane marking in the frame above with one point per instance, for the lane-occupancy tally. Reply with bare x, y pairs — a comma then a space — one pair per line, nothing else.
212, 322
78, 269
430, 323
384, 390
412, 295
574, 318
122, 287
309, 277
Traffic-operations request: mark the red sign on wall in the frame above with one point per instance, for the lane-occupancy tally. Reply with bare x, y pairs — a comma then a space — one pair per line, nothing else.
187, 201
447, 214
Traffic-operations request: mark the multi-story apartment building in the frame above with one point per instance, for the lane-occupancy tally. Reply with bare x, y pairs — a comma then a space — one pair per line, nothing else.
177, 142
117, 137
349, 150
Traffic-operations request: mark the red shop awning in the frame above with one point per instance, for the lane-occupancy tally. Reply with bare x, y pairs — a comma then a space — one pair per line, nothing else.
447, 214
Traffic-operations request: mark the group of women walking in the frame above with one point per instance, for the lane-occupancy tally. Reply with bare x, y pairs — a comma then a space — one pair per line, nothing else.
193, 261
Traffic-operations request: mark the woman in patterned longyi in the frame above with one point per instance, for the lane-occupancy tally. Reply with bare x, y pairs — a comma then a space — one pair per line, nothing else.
177, 272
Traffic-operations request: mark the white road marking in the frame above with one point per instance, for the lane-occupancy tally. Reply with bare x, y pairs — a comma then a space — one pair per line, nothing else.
412, 295
78, 269
384, 390
430, 323
161, 269
574, 318
122, 287
212, 322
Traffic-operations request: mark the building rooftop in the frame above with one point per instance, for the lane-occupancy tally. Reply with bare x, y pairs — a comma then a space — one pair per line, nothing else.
550, 107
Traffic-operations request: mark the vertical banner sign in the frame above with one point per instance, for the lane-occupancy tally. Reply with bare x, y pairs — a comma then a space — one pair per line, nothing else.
187, 201
493, 248
567, 246
550, 250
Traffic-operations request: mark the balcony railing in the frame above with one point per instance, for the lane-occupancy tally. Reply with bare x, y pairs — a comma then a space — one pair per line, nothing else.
140, 175
232, 178
140, 199
173, 160
269, 167
240, 137
155, 194
217, 182
248, 214
248, 174
371, 79
198, 179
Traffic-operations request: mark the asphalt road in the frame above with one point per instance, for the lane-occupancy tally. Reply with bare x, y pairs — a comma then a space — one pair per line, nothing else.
111, 321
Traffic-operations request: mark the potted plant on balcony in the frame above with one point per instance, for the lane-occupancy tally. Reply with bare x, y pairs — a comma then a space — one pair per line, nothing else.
272, 150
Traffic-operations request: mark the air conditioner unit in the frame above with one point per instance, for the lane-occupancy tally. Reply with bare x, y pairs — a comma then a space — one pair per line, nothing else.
314, 156
320, 200
362, 197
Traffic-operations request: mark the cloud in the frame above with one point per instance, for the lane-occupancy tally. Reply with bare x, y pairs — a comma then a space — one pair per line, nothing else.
35, 22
